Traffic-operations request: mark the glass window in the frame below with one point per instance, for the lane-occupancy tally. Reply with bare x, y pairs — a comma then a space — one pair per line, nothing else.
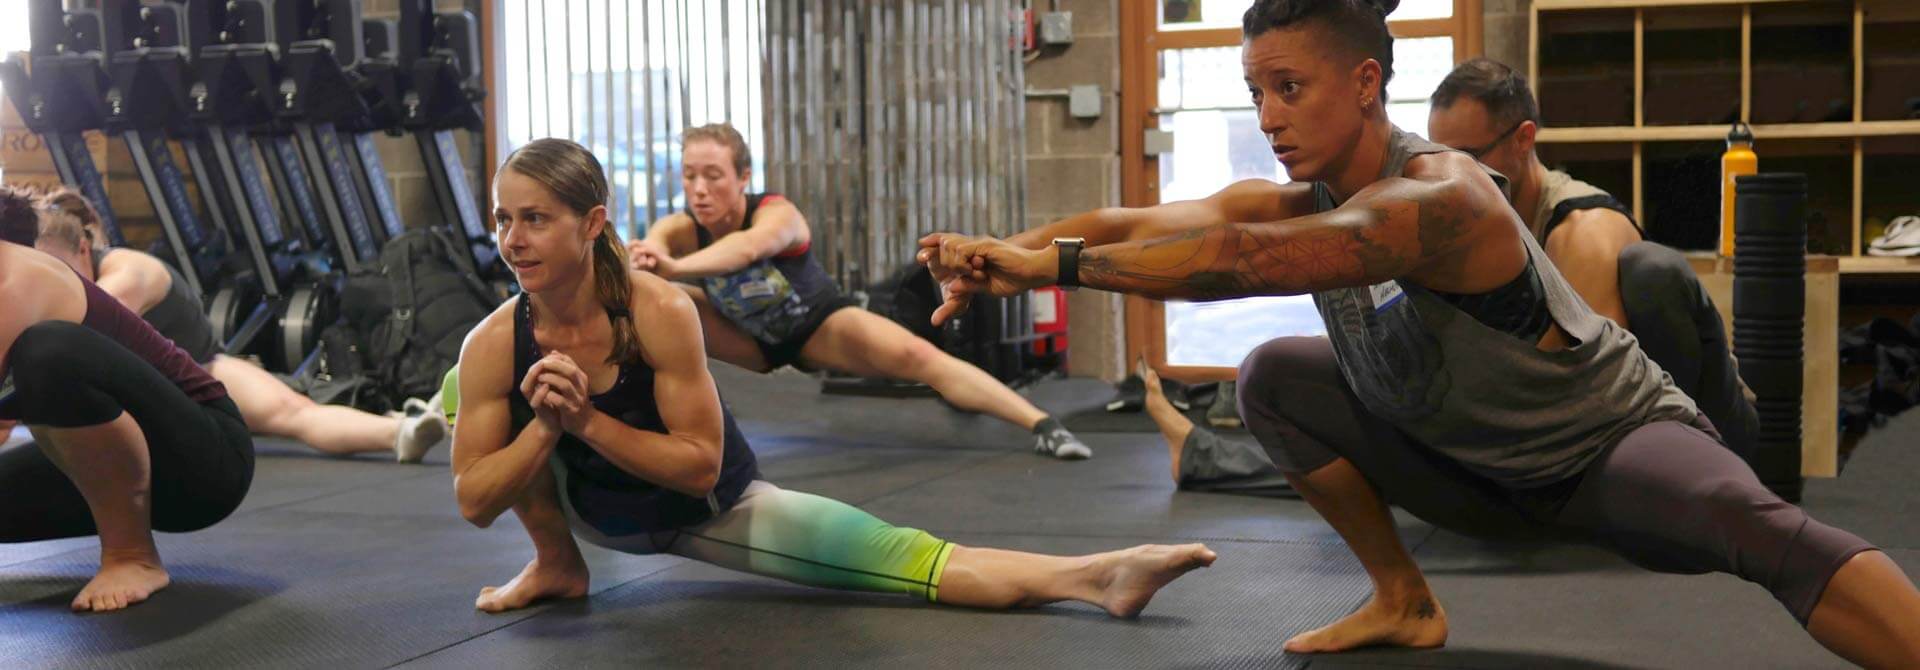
624, 78
1418, 67
1217, 141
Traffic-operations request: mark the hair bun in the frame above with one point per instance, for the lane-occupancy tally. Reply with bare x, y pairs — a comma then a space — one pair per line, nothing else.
1385, 6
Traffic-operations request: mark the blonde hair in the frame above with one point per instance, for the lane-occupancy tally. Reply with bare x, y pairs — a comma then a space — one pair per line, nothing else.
574, 177
724, 135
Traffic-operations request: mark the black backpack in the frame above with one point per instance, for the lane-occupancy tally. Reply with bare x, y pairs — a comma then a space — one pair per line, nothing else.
413, 312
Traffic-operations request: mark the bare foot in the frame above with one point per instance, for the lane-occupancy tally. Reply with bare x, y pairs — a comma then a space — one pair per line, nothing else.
121, 582
1173, 425
1416, 622
535, 583
1134, 575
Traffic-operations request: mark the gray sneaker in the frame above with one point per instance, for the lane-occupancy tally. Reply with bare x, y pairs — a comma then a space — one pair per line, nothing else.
1054, 440
1225, 410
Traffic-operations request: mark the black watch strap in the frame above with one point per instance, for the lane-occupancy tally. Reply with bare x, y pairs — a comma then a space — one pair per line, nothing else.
1069, 260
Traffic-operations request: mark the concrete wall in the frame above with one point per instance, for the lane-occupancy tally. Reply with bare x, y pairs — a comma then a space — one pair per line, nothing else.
1073, 165
1504, 29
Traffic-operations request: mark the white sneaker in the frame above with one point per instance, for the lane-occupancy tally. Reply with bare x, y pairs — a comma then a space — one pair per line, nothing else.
1901, 239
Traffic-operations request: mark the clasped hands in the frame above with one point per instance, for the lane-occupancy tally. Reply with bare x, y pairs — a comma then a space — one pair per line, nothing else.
965, 266
556, 387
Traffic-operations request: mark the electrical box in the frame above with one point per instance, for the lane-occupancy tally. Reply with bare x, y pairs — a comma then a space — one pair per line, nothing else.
1056, 28
1083, 101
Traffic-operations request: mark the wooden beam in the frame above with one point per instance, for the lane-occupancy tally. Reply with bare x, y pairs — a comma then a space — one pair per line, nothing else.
1639, 68
1200, 38
1472, 23
1771, 131
1631, 4
1746, 63
1416, 28
494, 107
1139, 95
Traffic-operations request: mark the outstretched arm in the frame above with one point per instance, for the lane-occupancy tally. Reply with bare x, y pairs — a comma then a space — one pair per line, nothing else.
1246, 201
777, 227
1390, 229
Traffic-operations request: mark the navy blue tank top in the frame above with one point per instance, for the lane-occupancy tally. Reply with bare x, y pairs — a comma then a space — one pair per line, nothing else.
771, 298
610, 499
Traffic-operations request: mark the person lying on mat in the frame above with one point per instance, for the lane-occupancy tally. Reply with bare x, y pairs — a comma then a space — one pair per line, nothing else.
1462, 378
585, 406
69, 231
765, 302
130, 435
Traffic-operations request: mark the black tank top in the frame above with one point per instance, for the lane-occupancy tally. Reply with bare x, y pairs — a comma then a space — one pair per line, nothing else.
771, 298
610, 499
181, 316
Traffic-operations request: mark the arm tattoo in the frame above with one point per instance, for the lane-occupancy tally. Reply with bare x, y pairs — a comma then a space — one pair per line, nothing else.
1391, 234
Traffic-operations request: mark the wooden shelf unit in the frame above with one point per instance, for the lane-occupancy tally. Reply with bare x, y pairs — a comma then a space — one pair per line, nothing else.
1632, 139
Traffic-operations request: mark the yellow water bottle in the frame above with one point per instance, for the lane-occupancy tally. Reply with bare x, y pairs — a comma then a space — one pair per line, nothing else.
1738, 160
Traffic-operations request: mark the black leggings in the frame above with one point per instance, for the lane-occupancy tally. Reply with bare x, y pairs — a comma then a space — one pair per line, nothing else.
1669, 497
70, 376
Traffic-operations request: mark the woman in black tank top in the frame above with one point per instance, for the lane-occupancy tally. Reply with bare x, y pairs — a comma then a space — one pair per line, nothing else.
766, 303
585, 406
155, 291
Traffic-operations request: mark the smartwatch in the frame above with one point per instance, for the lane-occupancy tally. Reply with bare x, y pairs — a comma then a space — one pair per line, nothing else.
1069, 248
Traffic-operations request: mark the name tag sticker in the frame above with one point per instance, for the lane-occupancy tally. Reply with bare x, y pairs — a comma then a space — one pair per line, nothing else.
1385, 294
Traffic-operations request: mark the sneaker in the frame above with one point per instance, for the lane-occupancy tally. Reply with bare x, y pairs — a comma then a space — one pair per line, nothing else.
1225, 410
1902, 238
419, 432
1177, 394
1052, 439
1130, 397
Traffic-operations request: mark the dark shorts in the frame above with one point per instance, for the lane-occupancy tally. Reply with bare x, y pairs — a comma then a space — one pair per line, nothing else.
787, 352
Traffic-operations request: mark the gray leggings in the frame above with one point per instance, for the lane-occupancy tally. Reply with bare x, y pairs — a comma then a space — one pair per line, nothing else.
1669, 497
1678, 327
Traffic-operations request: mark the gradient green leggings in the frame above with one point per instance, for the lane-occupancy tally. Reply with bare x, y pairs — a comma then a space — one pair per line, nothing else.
797, 537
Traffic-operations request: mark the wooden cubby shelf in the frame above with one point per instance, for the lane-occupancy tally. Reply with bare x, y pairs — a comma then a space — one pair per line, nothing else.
1796, 62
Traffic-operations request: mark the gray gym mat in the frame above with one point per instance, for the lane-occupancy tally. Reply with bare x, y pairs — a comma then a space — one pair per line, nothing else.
1125, 490
1874, 497
695, 615
286, 588
1099, 420
363, 563
1534, 606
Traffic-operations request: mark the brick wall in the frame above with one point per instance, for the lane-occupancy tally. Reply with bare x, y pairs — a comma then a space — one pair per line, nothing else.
1073, 165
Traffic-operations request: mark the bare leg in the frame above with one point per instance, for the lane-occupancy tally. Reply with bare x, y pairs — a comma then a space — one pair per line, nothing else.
557, 569
1403, 611
866, 344
1121, 582
109, 464
1173, 425
270, 408
1869, 614
724, 340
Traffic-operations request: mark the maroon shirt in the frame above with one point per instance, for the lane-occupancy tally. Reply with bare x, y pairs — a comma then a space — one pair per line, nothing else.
107, 316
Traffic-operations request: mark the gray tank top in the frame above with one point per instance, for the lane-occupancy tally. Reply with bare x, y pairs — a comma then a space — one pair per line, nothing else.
1498, 405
